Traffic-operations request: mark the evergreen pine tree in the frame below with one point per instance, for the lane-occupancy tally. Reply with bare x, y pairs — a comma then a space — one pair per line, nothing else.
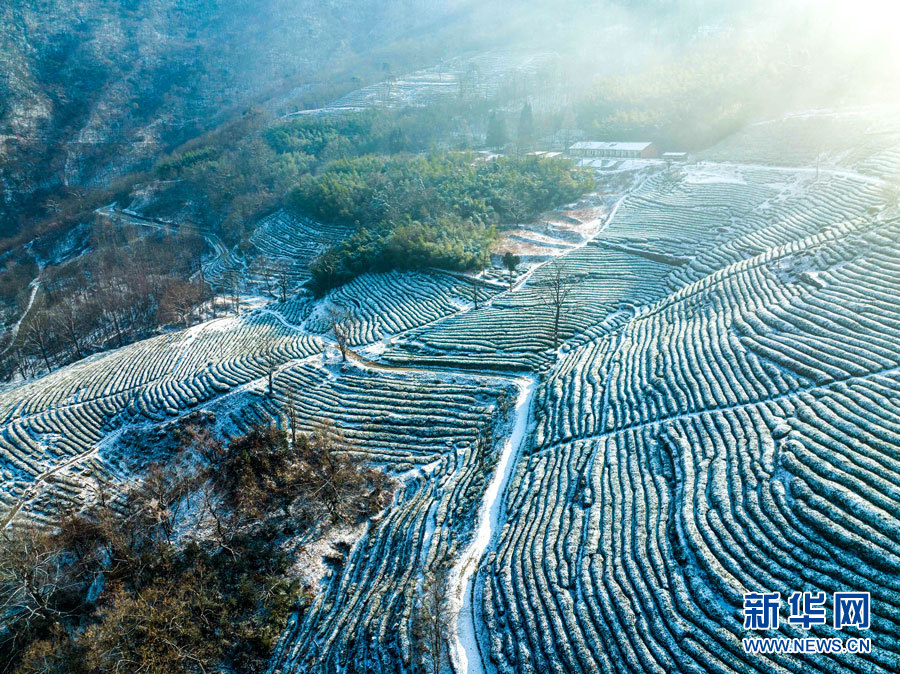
496, 132
526, 128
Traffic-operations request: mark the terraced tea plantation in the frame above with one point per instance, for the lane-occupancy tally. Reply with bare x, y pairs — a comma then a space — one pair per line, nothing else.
285, 245
738, 435
702, 400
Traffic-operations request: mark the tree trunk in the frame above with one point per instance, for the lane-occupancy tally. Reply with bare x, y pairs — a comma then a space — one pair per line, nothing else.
556, 328
118, 328
45, 356
73, 335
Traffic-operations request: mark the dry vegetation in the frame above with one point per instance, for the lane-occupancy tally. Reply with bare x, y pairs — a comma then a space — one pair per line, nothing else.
188, 571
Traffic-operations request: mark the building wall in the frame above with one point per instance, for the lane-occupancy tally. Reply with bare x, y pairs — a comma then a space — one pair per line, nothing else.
648, 153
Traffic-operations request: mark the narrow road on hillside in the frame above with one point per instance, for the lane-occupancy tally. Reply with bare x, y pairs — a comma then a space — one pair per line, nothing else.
465, 650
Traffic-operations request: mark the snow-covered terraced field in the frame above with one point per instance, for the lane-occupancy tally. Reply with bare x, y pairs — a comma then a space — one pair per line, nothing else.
283, 238
400, 418
515, 330
375, 306
846, 138
739, 435
722, 416
712, 215
680, 224
424, 428
50, 428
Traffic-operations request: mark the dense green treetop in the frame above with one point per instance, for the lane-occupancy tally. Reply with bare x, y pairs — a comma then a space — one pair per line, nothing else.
440, 209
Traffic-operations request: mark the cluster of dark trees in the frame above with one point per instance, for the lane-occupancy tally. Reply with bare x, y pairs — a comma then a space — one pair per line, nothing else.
498, 138
435, 210
245, 169
189, 570
126, 286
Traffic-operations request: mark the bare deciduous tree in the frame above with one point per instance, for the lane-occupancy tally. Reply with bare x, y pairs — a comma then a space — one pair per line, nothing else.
291, 410
336, 479
232, 280
67, 319
161, 496
269, 355
325, 445
199, 439
518, 210
180, 300
266, 270
556, 291
283, 277
21, 361
339, 321
221, 516
32, 574
432, 623
39, 335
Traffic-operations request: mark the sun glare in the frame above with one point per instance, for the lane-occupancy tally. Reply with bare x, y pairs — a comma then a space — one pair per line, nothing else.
864, 18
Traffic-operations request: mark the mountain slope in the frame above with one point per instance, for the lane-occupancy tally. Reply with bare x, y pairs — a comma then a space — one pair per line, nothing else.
91, 90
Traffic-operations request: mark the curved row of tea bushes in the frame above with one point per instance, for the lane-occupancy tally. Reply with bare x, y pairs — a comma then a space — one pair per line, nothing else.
375, 306
282, 237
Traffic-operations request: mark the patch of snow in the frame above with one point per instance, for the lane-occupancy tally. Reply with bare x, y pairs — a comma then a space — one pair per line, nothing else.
708, 173
221, 324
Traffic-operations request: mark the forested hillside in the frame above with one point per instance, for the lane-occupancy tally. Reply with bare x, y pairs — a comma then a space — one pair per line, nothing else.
90, 91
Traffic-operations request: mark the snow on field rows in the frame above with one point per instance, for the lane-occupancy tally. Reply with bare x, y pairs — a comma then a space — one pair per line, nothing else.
376, 306
723, 416
864, 139
752, 447
284, 238
590, 414
64, 415
739, 434
363, 613
671, 226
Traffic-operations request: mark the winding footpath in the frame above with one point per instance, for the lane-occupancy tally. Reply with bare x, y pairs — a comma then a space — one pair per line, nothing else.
14, 330
464, 647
